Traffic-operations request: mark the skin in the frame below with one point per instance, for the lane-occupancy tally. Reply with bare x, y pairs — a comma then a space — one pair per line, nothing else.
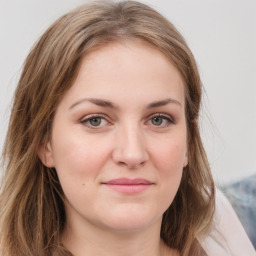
127, 137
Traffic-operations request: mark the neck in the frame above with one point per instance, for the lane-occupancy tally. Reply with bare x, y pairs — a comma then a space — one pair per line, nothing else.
91, 240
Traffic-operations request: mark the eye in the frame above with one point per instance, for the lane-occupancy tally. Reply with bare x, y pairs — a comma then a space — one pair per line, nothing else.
161, 120
94, 121
157, 120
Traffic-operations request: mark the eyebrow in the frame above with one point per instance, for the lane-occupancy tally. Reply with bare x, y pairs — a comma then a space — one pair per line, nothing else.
98, 102
163, 103
109, 104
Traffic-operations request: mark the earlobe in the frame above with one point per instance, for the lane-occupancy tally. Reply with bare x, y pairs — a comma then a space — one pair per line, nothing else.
45, 154
185, 163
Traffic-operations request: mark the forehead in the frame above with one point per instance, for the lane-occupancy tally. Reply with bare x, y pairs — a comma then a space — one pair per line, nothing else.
126, 51
128, 68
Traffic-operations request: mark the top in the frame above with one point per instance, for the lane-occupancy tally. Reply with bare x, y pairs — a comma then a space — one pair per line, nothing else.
227, 237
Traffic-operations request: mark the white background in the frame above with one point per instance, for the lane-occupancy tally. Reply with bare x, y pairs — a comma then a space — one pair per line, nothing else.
222, 36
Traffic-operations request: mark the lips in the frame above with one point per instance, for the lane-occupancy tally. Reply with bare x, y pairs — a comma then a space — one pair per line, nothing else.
129, 186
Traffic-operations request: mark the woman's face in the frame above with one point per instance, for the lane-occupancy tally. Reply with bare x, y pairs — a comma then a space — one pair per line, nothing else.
118, 139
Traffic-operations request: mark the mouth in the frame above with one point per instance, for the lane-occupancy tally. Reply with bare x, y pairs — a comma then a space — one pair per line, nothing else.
128, 186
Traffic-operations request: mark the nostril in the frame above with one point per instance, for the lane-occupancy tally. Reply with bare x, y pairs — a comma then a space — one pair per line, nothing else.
136, 166
131, 164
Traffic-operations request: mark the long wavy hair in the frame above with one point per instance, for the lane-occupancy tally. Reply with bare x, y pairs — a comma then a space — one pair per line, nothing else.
32, 212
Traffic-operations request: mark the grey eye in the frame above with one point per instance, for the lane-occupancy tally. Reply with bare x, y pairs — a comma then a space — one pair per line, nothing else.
157, 120
96, 121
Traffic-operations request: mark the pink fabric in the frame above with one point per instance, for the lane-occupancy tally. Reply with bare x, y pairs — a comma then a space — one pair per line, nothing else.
228, 237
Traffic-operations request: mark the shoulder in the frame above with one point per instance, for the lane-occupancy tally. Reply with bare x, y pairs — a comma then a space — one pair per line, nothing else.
242, 196
227, 236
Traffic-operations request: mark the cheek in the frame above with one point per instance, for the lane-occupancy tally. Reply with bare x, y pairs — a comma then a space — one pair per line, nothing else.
169, 155
170, 166
78, 165
78, 159
169, 159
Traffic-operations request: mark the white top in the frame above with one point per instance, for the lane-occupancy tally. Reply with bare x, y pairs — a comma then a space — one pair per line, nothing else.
228, 237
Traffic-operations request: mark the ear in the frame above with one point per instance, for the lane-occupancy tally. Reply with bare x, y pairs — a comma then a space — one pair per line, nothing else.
185, 162
45, 154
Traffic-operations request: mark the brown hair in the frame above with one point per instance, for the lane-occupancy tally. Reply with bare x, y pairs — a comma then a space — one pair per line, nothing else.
31, 206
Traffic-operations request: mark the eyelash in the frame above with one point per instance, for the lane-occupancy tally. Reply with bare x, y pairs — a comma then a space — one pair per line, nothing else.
89, 118
167, 118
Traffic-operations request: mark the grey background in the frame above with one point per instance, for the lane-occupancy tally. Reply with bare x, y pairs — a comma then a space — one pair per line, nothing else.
222, 36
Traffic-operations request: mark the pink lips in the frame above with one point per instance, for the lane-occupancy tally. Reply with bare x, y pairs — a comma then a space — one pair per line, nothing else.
128, 186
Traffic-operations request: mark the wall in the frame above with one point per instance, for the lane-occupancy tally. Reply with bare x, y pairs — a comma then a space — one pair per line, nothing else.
222, 36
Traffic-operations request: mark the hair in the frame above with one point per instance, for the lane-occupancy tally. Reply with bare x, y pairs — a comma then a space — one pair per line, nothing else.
32, 212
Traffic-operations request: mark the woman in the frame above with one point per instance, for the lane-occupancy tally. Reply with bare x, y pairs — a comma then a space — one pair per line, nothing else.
103, 154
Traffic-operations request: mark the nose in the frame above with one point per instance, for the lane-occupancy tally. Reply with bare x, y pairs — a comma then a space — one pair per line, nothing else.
130, 148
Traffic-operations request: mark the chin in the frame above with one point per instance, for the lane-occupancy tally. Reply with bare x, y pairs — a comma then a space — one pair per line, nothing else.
131, 221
